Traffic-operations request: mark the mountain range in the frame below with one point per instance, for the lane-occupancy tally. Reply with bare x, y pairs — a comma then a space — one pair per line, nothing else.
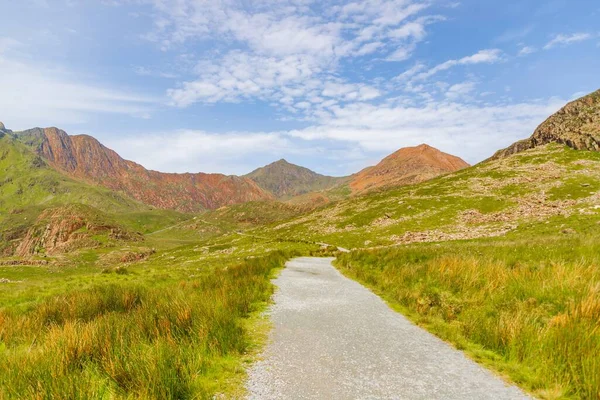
500, 258
44, 172
85, 159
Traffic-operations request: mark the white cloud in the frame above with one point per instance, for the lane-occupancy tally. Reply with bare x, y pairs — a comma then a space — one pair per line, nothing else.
488, 56
242, 75
410, 30
565, 40
350, 92
144, 71
402, 53
460, 90
527, 50
270, 46
409, 73
471, 131
7, 44
350, 137
200, 151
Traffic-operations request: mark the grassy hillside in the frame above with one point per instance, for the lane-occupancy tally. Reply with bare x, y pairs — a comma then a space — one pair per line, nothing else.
28, 187
546, 184
499, 259
226, 220
27, 181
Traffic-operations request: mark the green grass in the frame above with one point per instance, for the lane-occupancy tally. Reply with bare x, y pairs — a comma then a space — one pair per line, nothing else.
135, 339
528, 307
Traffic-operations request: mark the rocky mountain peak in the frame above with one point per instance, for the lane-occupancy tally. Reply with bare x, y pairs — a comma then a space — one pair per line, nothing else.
286, 180
576, 125
2, 127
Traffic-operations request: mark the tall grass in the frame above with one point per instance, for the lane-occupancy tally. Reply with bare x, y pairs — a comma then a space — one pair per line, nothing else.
537, 320
133, 341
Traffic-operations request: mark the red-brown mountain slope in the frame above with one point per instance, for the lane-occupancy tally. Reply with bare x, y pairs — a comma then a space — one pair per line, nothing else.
406, 166
83, 157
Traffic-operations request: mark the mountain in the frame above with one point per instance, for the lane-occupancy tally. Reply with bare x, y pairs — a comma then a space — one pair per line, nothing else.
84, 158
286, 180
406, 166
29, 187
577, 125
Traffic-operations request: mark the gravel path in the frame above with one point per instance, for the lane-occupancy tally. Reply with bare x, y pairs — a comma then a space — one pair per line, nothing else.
334, 339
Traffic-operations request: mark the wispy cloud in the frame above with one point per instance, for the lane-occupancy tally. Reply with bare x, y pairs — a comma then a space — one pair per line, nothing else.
565, 40
488, 56
145, 71
286, 51
469, 130
525, 50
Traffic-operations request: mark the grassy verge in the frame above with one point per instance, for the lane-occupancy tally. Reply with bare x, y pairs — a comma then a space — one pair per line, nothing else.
528, 308
184, 339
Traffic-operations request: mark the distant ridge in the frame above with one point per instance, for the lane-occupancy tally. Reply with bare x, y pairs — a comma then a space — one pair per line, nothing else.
85, 158
286, 180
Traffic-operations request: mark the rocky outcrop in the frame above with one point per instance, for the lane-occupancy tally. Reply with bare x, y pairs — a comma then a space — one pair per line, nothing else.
286, 180
84, 158
407, 166
576, 125
3, 130
63, 229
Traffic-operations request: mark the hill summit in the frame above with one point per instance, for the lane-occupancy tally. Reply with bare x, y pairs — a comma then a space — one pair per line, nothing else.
286, 180
576, 125
406, 166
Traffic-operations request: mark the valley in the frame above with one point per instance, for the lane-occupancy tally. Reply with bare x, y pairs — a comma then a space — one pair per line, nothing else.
121, 282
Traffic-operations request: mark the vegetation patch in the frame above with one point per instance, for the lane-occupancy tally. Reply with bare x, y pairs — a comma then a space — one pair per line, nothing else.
126, 340
528, 308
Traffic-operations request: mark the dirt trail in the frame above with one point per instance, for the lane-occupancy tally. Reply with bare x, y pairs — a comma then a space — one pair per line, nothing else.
334, 339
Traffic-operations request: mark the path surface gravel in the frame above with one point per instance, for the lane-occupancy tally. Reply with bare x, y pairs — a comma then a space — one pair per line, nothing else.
334, 339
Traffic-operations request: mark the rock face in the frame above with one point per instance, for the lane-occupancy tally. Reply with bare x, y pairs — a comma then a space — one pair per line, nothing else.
286, 180
3, 130
84, 158
63, 229
576, 125
407, 166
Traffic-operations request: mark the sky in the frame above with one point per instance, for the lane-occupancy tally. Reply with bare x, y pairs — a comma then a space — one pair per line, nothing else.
231, 85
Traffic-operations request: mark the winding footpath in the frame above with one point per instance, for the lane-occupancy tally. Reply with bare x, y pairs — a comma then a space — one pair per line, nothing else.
334, 339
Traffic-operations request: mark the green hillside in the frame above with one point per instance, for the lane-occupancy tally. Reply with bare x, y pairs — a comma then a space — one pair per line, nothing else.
552, 185
28, 186
27, 181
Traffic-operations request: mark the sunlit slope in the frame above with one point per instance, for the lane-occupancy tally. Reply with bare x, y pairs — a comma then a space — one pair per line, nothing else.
550, 184
28, 186
26, 180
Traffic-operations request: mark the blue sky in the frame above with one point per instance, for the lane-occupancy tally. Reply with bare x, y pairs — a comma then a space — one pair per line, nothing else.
230, 85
